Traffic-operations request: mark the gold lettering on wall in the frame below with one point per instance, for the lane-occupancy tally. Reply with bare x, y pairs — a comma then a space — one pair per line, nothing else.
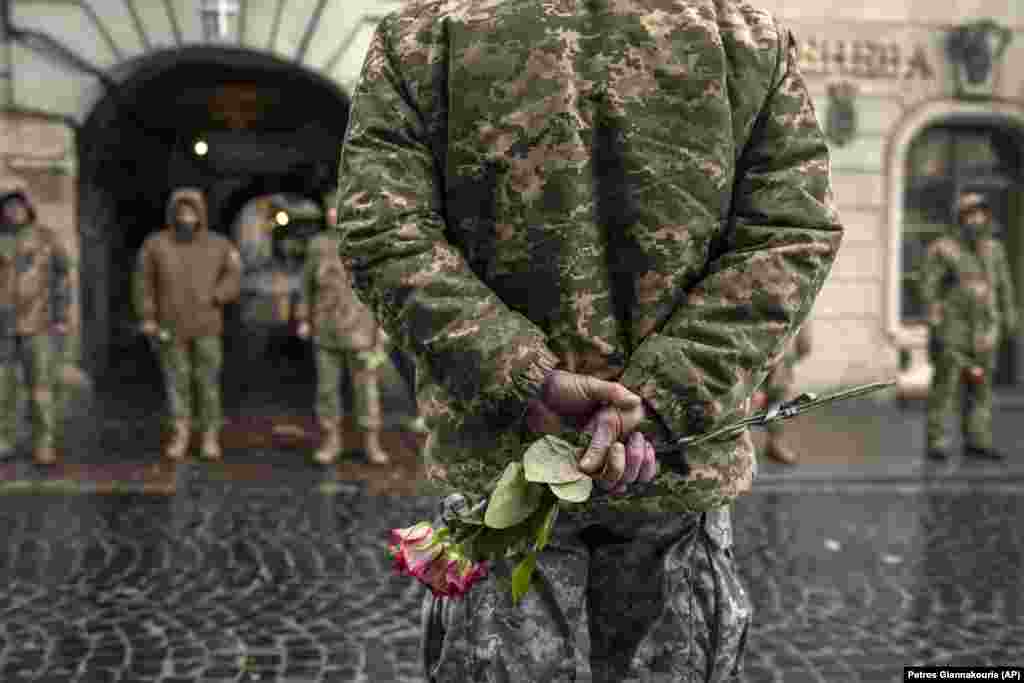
864, 59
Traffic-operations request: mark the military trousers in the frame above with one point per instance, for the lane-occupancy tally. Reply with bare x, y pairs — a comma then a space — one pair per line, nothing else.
40, 358
618, 598
975, 401
192, 372
331, 366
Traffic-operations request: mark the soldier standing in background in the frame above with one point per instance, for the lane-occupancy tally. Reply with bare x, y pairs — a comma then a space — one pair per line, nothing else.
185, 276
777, 389
966, 286
346, 339
34, 298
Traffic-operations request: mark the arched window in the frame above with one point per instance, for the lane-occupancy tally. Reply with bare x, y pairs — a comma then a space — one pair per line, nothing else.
941, 160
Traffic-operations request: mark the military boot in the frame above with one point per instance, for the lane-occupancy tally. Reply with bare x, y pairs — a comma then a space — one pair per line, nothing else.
211, 444
983, 453
178, 444
779, 452
331, 446
371, 446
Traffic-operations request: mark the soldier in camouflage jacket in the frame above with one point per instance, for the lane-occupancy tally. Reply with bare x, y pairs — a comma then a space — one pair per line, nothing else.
637, 191
35, 293
966, 285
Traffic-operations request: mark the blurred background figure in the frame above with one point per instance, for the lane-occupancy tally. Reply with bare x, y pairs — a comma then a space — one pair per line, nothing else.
778, 388
968, 291
348, 341
185, 276
34, 296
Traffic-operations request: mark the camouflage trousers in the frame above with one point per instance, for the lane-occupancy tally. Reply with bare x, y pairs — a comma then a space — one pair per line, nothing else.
637, 598
40, 357
975, 402
331, 365
194, 364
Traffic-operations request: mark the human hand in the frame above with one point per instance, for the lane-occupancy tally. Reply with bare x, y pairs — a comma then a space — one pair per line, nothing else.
638, 464
60, 329
607, 457
303, 330
149, 328
570, 401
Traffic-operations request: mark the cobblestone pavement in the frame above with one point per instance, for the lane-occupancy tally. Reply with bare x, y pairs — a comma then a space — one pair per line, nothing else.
285, 579
267, 568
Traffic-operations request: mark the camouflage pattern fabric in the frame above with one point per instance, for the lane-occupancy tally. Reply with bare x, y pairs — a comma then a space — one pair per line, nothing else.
621, 598
975, 401
195, 363
778, 386
632, 190
967, 287
331, 363
40, 359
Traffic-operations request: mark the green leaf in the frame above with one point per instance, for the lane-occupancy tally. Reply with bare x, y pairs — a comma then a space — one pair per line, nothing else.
551, 460
521, 577
513, 500
544, 535
576, 492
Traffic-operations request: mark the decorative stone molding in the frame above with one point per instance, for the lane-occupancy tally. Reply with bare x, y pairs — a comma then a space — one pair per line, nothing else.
994, 112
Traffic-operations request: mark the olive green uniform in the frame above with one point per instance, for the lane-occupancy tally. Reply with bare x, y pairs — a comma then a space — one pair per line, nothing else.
967, 286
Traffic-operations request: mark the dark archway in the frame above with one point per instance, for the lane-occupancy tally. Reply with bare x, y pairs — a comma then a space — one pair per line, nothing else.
268, 126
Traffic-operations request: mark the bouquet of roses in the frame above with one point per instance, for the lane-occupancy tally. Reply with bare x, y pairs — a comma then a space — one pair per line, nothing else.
516, 519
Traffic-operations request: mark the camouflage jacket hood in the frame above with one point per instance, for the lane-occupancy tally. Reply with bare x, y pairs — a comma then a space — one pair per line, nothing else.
634, 189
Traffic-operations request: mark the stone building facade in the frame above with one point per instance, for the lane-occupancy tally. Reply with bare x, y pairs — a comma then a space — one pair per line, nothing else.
917, 96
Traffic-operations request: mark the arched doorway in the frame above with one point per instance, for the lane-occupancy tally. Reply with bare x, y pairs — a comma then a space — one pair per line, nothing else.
943, 158
264, 126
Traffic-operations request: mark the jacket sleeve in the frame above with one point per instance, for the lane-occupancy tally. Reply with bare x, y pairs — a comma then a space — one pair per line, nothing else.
229, 284
307, 290
931, 274
762, 277
60, 283
144, 283
489, 359
1007, 300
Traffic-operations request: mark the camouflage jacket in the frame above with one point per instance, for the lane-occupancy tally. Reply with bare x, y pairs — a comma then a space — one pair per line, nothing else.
640, 192
968, 291
326, 300
35, 284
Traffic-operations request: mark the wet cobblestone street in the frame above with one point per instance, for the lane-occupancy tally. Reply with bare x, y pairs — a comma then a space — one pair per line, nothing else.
235, 581
267, 568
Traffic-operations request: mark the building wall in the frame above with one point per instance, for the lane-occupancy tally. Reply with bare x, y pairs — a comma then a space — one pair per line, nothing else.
855, 322
855, 331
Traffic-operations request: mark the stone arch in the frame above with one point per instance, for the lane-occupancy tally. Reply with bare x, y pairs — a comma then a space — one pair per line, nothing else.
125, 137
988, 113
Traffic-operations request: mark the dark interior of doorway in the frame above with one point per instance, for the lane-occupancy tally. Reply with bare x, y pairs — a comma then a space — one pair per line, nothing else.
270, 126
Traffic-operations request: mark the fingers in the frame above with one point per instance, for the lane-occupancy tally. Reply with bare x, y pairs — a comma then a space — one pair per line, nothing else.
610, 392
649, 467
606, 428
614, 468
542, 420
636, 451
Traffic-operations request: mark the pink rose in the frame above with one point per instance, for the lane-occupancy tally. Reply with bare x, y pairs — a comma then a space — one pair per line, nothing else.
462, 574
414, 548
438, 564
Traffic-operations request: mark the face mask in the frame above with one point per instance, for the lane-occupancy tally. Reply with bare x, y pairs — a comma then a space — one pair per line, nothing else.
185, 231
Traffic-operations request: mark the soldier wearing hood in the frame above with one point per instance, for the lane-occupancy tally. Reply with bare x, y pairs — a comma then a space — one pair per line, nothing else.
347, 339
34, 297
184, 277
966, 286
